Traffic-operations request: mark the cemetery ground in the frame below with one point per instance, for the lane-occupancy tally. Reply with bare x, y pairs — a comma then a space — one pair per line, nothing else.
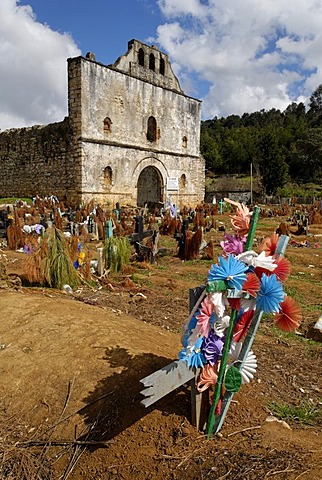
71, 366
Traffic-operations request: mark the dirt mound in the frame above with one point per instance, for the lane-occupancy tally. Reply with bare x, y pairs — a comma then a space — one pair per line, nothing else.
70, 372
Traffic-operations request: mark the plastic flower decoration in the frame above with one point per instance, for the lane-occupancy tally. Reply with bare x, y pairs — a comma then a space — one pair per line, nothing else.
241, 220
289, 316
254, 260
269, 244
271, 294
230, 270
212, 347
282, 270
195, 358
206, 311
252, 284
220, 303
208, 377
242, 325
233, 244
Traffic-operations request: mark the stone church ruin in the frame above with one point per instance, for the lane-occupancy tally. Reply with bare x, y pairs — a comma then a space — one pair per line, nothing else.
131, 136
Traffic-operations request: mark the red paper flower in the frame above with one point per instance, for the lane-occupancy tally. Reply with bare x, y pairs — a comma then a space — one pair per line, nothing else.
289, 316
252, 284
242, 326
282, 271
269, 244
234, 303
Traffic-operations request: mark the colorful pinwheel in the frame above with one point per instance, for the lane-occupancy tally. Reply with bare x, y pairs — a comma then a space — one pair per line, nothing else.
270, 295
231, 270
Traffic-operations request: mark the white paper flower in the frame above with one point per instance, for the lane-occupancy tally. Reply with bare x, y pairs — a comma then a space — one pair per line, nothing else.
252, 259
249, 366
220, 303
220, 325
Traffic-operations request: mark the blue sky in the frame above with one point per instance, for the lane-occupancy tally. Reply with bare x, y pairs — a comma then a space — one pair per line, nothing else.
236, 56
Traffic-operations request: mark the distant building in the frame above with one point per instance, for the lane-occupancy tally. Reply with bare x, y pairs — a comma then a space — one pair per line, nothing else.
131, 136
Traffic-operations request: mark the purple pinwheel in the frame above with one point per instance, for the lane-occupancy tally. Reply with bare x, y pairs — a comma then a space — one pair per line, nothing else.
270, 295
212, 347
231, 270
232, 244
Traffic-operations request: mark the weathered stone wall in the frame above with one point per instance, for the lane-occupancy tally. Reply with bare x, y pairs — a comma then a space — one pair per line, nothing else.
39, 160
118, 126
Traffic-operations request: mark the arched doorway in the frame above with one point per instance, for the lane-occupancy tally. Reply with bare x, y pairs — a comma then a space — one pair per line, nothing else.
150, 188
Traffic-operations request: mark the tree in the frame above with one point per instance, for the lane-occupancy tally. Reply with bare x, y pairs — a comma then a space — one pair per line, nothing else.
273, 168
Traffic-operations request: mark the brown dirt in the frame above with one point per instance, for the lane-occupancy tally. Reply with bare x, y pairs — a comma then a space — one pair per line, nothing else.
71, 367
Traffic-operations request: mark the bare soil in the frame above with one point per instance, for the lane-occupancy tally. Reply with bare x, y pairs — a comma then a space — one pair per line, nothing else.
71, 367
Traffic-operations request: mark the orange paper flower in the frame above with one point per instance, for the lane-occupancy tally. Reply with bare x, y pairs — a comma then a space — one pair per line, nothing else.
289, 316
208, 377
241, 220
269, 244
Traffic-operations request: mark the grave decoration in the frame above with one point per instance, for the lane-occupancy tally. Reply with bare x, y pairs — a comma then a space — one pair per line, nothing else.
240, 288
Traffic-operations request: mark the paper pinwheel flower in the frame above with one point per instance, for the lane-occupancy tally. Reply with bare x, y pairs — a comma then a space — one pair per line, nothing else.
249, 365
232, 244
271, 294
242, 325
195, 358
208, 377
241, 220
282, 270
269, 244
234, 303
252, 284
289, 316
212, 347
207, 308
231, 270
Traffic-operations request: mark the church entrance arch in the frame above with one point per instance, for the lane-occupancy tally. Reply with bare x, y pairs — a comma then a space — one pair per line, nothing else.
150, 188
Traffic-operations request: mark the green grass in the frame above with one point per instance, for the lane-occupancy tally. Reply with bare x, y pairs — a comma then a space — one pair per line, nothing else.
306, 413
11, 200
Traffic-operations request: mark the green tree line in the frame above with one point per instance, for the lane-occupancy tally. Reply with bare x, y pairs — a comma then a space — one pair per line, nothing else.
281, 146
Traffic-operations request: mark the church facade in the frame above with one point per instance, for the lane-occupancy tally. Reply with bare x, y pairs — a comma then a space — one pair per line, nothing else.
131, 136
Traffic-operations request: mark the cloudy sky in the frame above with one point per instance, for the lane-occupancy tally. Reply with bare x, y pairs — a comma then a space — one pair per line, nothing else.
235, 55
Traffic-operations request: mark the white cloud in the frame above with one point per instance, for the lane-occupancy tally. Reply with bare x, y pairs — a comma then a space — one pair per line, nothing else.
254, 53
33, 68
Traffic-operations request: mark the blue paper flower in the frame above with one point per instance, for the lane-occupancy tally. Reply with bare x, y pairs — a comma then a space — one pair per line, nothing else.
270, 295
196, 358
231, 270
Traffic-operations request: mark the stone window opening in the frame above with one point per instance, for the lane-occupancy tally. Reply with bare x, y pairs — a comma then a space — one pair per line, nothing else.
184, 141
108, 176
151, 133
141, 57
107, 124
162, 66
151, 62
183, 181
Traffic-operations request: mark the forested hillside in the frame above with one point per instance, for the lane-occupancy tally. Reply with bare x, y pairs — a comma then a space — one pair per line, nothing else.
281, 146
